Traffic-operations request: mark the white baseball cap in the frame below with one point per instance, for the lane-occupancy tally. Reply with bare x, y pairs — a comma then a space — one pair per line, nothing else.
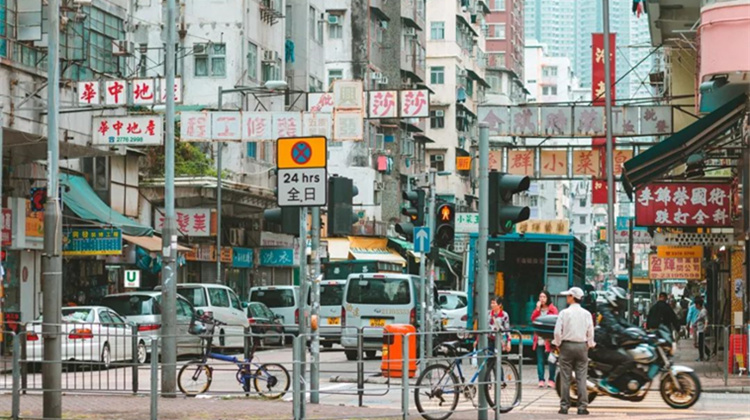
576, 292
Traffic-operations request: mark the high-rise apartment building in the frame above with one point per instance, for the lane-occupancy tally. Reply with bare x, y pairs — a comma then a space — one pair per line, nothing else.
504, 49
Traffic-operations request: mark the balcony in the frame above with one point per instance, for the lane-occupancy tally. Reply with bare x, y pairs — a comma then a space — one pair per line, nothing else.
672, 22
722, 53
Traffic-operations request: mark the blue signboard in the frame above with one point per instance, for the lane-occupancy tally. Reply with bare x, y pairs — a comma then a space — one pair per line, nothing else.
280, 257
622, 224
83, 241
422, 239
242, 257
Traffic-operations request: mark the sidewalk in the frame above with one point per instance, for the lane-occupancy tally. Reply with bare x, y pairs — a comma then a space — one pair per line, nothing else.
711, 372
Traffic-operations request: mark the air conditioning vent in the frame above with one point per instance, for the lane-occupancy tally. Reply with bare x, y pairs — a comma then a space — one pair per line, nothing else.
334, 19
439, 158
270, 56
410, 31
440, 113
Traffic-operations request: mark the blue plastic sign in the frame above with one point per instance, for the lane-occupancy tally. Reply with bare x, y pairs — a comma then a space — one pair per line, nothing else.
422, 239
278, 257
242, 257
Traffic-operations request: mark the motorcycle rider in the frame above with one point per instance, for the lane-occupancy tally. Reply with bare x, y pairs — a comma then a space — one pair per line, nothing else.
609, 334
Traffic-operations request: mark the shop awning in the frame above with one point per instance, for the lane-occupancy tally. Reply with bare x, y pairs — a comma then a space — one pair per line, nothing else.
338, 249
83, 201
373, 249
674, 151
151, 243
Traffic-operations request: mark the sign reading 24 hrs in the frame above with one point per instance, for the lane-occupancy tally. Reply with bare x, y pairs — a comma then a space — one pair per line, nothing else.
301, 178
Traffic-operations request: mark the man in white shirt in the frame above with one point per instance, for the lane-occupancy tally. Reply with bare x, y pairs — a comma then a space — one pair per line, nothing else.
574, 336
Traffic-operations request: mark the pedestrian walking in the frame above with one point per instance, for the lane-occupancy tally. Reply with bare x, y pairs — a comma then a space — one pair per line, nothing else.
541, 346
691, 316
574, 336
499, 321
701, 320
662, 314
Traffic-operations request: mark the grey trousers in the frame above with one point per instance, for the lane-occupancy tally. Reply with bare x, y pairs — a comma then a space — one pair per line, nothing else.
574, 356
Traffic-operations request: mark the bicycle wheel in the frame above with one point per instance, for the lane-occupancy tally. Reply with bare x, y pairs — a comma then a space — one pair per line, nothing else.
436, 392
510, 388
194, 378
274, 381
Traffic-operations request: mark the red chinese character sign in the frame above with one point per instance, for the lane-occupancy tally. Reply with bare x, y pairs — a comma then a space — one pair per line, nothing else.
683, 205
383, 104
287, 124
176, 89
599, 190
257, 126
88, 93
554, 163
415, 103
195, 126
586, 163
190, 222
143, 92
115, 92
320, 102
660, 268
597, 67
317, 125
521, 162
129, 130
226, 126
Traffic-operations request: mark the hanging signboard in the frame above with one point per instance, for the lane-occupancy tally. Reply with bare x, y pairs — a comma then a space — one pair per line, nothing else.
674, 268
549, 227
128, 130
383, 104
415, 104
190, 222
87, 242
684, 205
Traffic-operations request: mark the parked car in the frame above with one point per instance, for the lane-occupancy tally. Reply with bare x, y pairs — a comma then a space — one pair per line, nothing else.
454, 307
221, 303
88, 334
144, 309
264, 324
282, 301
331, 298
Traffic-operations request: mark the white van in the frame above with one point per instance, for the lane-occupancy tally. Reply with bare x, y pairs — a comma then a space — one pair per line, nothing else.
224, 305
331, 298
282, 301
371, 301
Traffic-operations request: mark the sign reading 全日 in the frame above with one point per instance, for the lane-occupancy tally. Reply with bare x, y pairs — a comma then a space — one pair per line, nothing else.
302, 179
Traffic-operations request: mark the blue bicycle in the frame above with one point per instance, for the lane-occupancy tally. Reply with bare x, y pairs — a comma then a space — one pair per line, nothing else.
271, 380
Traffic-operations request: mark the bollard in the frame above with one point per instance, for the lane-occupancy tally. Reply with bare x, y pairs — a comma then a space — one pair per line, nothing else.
135, 358
24, 357
360, 368
297, 399
246, 343
155, 379
498, 373
405, 378
16, 399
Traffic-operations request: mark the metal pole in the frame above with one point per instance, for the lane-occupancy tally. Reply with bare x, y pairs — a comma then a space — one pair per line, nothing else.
219, 148
304, 316
482, 266
314, 367
631, 262
431, 224
52, 257
405, 376
154, 379
423, 307
16, 397
169, 234
610, 144
297, 396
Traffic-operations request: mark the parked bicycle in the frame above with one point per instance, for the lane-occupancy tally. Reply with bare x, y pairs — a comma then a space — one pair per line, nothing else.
439, 385
270, 380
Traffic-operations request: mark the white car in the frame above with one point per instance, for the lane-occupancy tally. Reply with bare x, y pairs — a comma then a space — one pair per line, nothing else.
89, 334
282, 301
454, 307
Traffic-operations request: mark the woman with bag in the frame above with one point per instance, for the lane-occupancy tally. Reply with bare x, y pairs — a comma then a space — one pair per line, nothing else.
543, 347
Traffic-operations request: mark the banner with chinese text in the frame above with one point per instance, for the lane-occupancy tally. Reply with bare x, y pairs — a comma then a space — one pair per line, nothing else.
84, 241
142, 130
674, 268
684, 205
190, 222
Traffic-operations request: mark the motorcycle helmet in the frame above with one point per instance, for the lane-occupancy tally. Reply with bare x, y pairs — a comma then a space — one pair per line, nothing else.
617, 297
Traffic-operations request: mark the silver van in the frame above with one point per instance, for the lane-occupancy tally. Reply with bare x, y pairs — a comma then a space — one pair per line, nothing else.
282, 301
372, 301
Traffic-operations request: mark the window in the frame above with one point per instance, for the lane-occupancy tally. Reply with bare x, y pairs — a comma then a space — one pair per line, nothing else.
533, 201
437, 75
321, 27
497, 31
582, 202
311, 23
274, 298
289, 21
450, 301
379, 291
271, 70
437, 119
331, 294
498, 5
333, 75
132, 305
194, 295
315, 85
549, 90
549, 71
335, 29
437, 162
183, 309
218, 297
104, 317
582, 220
210, 59
234, 301
252, 61
497, 60
252, 150
437, 30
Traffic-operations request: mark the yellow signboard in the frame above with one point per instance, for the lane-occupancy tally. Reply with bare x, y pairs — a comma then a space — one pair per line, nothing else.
550, 227
463, 163
301, 152
679, 251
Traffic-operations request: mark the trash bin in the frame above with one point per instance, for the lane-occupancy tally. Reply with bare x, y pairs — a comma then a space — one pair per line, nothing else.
393, 337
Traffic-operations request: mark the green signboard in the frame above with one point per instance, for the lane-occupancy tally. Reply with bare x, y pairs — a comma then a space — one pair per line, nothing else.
92, 241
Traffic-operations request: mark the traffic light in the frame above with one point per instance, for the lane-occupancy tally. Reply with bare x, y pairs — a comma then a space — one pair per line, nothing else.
286, 217
444, 225
415, 212
503, 214
341, 192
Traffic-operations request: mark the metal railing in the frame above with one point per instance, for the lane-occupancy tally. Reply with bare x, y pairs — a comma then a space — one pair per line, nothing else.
722, 346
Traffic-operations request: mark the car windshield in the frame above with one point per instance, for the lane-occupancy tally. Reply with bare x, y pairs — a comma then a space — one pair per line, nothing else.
254, 310
195, 295
448, 301
379, 291
274, 298
331, 294
133, 305
78, 315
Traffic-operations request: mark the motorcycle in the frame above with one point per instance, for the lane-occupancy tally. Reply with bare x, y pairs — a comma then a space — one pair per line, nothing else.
679, 386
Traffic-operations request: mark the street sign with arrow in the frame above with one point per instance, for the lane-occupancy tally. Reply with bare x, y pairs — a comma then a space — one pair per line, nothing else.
422, 239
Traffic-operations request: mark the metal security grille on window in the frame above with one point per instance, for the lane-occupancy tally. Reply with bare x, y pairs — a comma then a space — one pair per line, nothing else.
210, 59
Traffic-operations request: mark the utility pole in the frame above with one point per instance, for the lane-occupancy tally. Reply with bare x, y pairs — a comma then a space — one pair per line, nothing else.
422, 302
631, 262
219, 148
302, 301
610, 144
316, 277
428, 291
52, 258
481, 286
169, 232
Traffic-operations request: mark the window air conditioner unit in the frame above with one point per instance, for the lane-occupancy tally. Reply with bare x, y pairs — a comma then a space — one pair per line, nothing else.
439, 158
463, 72
334, 19
376, 75
269, 55
410, 31
121, 47
439, 113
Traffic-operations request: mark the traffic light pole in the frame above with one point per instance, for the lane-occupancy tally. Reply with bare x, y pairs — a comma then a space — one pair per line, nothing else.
428, 291
482, 302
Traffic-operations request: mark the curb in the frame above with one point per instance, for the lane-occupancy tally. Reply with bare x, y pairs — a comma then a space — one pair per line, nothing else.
728, 390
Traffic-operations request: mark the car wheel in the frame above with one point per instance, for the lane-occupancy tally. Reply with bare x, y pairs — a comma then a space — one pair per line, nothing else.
327, 344
106, 356
142, 353
351, 355
370, 354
